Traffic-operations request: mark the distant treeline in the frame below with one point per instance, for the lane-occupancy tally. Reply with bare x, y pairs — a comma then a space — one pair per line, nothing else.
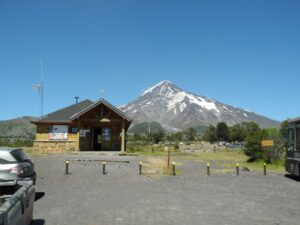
248, 134
17, 141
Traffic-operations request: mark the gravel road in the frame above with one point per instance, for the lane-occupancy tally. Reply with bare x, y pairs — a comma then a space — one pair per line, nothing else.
86, 197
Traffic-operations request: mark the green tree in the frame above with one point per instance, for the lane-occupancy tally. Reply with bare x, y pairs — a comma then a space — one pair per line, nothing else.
222, 132
176, 137
250, 128
191, 134
210, 134
253, 147
277, 150
136, 137
272, 133
284, 130
158, 137
237, 133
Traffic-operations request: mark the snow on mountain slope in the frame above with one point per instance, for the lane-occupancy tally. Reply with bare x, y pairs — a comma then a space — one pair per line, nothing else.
176, 109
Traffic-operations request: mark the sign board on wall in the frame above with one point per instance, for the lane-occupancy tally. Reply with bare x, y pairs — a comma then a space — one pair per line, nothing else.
58, 132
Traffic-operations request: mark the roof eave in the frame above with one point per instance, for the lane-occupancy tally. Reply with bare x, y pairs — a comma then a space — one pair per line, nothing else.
52, 122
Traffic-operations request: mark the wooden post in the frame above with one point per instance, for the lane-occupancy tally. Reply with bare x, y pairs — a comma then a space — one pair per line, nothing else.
123, 137
78, 135
169, 156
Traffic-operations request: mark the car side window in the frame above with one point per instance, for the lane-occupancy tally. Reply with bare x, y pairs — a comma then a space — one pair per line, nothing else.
6, 157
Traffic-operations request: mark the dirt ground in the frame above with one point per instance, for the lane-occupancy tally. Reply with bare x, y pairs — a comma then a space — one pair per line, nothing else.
122, 196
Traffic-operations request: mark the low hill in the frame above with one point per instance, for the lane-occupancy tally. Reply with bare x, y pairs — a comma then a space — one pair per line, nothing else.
143, 128
19, 127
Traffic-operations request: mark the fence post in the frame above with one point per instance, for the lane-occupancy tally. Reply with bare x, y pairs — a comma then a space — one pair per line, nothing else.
169, 157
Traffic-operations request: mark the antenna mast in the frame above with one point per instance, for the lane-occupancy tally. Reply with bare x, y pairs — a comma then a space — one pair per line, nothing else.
39, 87
76, 99
42, 87
101, 92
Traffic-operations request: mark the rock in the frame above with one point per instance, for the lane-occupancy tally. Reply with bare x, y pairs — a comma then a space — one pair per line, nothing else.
245, 169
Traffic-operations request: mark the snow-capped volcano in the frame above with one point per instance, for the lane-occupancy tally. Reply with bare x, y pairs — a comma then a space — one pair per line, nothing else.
176, 109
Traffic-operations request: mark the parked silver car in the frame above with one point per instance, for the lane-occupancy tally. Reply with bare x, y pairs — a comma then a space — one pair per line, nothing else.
15, 165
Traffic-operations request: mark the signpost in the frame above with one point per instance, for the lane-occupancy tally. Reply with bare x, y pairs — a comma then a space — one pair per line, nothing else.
267, 143
169, 150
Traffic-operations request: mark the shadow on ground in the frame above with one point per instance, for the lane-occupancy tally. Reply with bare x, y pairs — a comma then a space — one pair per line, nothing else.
292, 177
38, 222
39, 195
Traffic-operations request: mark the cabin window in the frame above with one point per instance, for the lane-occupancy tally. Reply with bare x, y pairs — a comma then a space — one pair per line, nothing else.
74, 130
106, 134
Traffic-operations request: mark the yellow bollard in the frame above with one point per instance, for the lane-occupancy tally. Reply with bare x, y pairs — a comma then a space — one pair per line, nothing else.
103, 168
173, 169
237, 169
140, 168
265, 169
208, 169
67, 162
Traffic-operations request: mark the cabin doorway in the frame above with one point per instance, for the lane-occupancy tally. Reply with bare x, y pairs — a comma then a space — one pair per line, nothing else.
97, 139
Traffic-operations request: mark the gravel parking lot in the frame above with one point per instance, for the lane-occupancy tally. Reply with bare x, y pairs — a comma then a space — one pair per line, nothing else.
86, 197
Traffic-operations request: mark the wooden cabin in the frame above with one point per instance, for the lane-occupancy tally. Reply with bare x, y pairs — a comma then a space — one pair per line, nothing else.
84, 126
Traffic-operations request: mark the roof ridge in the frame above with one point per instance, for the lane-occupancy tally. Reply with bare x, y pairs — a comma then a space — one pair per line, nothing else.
96, 103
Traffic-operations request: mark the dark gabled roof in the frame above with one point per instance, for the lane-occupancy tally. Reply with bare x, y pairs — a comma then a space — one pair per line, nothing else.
95, 104
72, 112
294, 120
64, 115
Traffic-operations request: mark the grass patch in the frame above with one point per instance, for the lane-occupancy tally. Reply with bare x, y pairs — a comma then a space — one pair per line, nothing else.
136, 148
156, 167
225, 161
221, 155
258, 166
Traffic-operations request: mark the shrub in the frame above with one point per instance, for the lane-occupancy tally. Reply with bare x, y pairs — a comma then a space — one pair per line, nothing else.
253, 147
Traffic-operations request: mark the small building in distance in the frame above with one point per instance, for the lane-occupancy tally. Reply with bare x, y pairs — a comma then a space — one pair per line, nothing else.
84, 126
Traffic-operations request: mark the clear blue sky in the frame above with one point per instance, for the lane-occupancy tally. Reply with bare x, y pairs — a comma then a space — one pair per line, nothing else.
243, 53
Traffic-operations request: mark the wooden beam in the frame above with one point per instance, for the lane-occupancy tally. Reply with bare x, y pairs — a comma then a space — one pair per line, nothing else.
93, 121
123, 137
78, 136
